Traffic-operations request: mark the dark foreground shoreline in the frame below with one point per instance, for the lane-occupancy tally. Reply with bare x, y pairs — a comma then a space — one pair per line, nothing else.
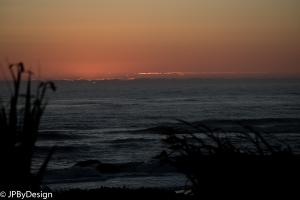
285, 187
120, 193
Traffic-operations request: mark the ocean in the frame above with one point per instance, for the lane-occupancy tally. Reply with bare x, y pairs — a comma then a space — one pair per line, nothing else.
110, 121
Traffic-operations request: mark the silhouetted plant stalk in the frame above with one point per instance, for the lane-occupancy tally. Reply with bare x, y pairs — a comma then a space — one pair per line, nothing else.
19, 127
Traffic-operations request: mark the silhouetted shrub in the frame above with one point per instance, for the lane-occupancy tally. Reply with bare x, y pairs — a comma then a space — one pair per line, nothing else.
19, 127
219, 163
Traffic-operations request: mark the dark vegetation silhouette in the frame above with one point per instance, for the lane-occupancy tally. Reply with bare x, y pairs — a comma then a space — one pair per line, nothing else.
19, 127
223, 164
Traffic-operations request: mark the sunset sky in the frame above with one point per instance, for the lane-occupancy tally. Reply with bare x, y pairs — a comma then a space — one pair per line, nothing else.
89, 38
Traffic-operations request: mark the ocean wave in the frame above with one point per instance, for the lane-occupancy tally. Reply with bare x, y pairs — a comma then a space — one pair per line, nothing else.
270, 125
62, 149
58, 135
130, 140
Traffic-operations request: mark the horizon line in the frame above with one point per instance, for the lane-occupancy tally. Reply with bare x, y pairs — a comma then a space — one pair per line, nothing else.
166, 75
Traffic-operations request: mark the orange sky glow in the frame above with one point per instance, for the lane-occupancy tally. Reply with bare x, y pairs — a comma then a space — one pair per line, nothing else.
92, 39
